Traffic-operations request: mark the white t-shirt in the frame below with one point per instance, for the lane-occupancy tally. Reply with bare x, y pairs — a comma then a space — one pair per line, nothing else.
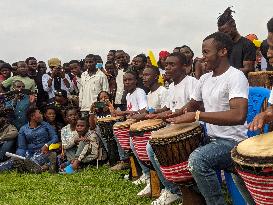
180, 94
216, 92
157, 99
120, 86
137, 100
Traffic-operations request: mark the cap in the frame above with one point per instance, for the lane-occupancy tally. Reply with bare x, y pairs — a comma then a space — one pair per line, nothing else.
54, 62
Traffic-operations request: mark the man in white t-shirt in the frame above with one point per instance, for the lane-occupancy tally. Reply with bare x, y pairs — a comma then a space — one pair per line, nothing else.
179, 94
136, 103
224, 95
180, 90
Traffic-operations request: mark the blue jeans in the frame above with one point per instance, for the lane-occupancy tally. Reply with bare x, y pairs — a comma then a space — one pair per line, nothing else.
243, 190
173, 188
123, 155
145, 170
204, 161
6, 146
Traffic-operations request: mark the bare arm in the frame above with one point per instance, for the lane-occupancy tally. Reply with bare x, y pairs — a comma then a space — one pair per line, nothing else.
235, 116
261, 119
248, 66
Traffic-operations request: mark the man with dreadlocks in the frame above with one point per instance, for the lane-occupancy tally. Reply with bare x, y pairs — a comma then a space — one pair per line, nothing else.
243, 55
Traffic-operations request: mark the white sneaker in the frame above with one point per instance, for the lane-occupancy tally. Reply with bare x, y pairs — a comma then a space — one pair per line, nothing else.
165, 198
142, 180
146, 191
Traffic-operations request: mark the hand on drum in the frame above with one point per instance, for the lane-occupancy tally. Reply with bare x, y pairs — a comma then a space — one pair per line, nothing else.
260, 120
186, 118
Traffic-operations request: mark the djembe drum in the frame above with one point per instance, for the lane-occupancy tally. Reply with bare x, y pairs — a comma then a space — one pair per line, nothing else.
106, 127
254, 163
261, 79
172, 146
121, 131
140, 134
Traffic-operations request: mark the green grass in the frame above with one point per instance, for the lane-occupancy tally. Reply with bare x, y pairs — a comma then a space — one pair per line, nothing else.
90, 186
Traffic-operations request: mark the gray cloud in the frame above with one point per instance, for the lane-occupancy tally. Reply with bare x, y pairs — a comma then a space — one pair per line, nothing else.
70, 29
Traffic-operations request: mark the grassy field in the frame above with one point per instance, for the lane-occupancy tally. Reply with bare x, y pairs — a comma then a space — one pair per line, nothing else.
90, 186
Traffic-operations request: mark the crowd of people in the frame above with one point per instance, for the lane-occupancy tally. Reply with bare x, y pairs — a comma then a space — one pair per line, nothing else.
49, 114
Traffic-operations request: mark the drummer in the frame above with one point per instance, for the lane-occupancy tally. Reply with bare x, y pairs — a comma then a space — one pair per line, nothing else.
267, 116
156, 100
179, 94
224, 95
136, 103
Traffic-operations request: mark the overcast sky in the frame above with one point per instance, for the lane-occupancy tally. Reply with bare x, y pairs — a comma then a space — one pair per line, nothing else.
70, 29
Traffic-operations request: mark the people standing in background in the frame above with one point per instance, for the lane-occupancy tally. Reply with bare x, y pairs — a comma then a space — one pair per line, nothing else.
122, 66
187, 51
5, 71
243, 54
22, 75
93, 81
56, 79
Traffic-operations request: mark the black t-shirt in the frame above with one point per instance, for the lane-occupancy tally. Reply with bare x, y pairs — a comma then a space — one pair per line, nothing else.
243, 50
264, 49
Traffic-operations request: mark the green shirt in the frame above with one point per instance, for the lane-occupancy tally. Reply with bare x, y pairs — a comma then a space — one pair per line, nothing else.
29, 83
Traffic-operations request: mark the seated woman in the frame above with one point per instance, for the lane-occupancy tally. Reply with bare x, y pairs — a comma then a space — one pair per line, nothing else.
87, 148
34, 140
8, 135
50, 114
103, 107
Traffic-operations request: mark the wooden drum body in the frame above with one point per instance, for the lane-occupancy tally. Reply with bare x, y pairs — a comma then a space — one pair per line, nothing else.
173, 146
140, 134
261, 79
253, 160
106, 128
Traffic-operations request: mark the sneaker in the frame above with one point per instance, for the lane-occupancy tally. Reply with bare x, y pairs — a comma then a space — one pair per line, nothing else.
126, 176
146, 191
166, 197
120, 166
143, 179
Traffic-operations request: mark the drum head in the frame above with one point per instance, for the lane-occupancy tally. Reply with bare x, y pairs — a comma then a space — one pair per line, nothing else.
147, 125
255, 151
109, 119
174, 130
124, 124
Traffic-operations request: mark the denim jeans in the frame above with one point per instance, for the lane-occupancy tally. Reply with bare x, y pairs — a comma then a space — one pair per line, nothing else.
173, 188
204, 161
6, 146
243, 190
145, 170
123, 155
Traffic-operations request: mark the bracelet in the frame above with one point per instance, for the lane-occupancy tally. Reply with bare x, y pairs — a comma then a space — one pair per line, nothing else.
197, 115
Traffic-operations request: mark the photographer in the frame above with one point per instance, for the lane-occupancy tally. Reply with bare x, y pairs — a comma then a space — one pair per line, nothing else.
56, 79
17, 103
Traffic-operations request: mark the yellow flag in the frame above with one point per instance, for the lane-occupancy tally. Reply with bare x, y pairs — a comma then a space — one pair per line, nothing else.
152, 58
